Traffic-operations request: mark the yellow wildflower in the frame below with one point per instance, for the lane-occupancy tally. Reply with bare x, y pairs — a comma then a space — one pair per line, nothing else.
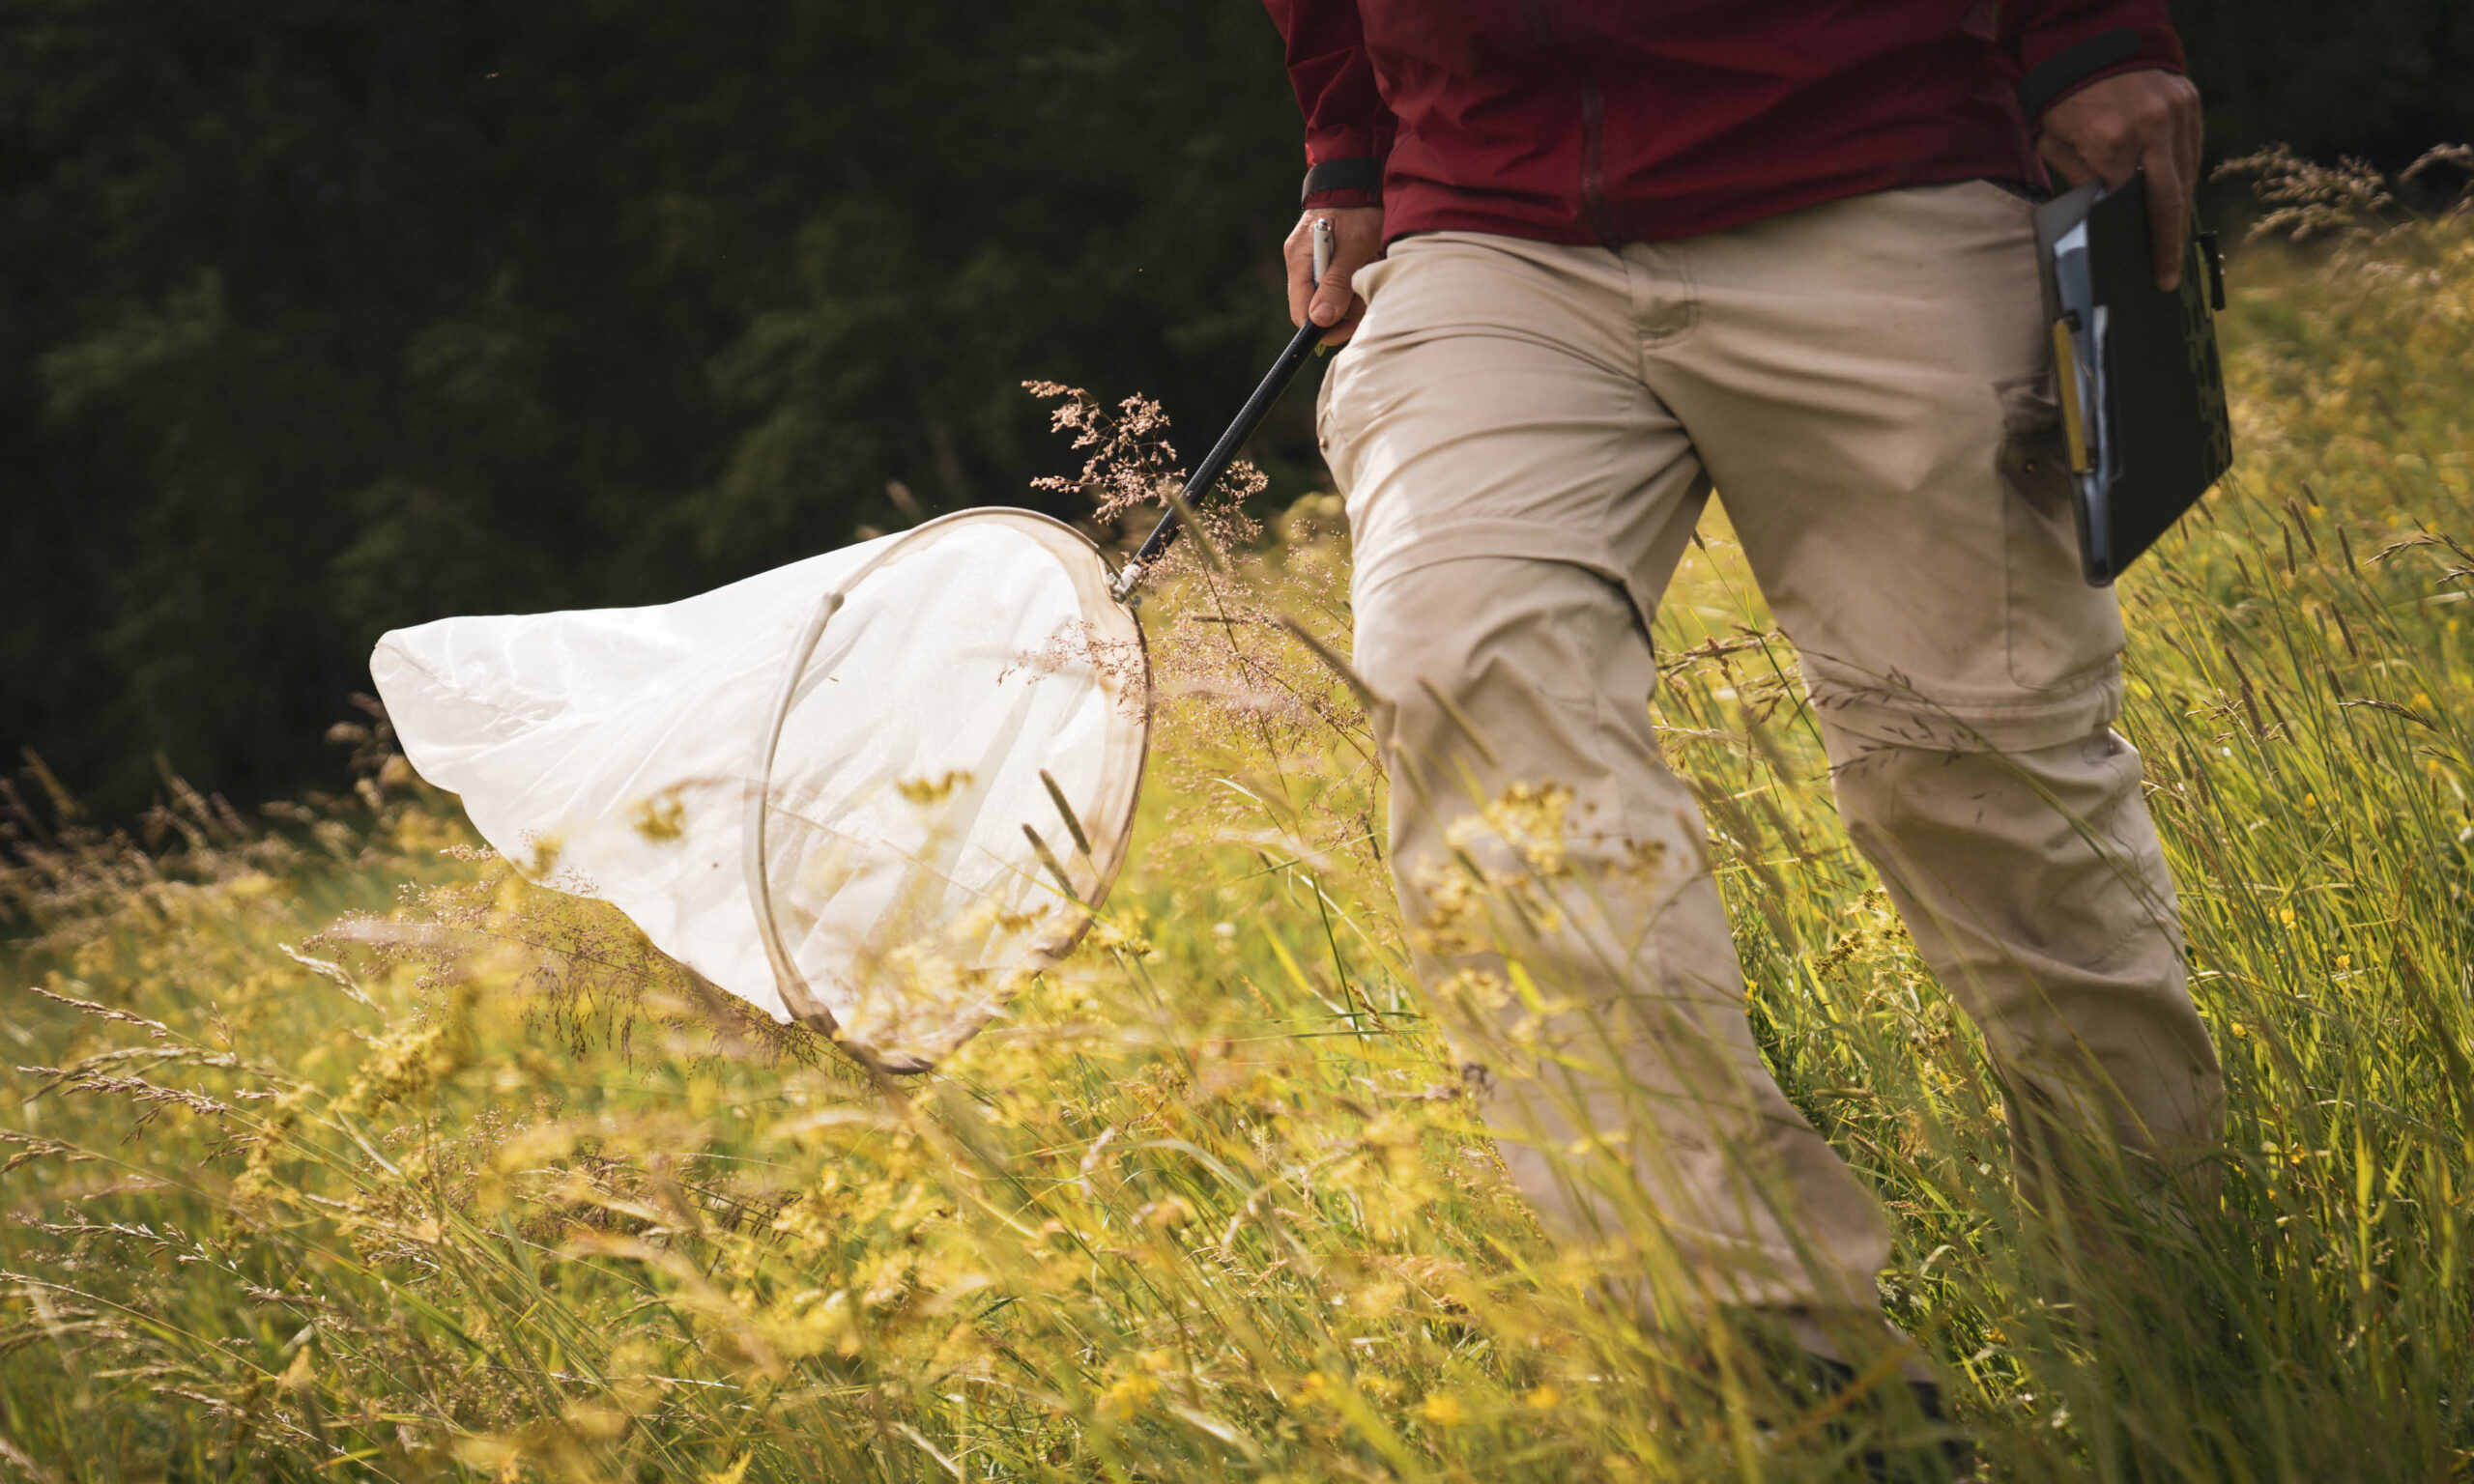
1129, 1395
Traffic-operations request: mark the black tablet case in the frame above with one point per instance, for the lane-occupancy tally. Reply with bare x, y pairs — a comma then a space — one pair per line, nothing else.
2162, 381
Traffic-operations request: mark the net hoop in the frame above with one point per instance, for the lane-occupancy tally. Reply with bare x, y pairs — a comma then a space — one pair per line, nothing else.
1084, 876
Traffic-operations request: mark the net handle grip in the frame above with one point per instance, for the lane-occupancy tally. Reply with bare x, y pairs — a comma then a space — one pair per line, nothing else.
1301, 349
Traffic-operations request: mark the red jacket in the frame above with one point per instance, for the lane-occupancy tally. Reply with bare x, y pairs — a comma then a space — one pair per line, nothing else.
1607, 121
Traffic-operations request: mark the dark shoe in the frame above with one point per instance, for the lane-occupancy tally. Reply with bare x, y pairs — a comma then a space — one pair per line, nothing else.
1943, 1455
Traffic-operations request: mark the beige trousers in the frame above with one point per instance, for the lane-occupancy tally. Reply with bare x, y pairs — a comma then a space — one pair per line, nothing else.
1526, 434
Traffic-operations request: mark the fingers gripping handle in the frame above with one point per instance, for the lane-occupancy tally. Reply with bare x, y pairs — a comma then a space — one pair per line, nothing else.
1301, 349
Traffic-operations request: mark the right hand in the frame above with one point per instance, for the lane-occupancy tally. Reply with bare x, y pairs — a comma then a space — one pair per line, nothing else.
2127, 122
1357, 240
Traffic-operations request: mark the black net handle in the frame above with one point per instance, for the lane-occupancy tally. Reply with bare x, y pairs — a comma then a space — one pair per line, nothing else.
1301, 349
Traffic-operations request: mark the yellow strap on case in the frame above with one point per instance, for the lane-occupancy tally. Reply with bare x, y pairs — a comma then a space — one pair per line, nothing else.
2073, 422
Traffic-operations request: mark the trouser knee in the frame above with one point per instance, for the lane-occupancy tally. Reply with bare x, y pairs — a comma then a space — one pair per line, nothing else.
1501, 669
2034, 885
1516, 691
2050, 851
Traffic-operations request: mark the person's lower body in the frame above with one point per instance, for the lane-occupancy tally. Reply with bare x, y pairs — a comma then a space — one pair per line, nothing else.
1526, 434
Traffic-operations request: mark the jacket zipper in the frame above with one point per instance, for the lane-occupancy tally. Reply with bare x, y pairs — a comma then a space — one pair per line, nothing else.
1592, 125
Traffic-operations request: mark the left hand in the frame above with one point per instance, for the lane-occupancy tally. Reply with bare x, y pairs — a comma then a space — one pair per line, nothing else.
1357, 240
2111, 127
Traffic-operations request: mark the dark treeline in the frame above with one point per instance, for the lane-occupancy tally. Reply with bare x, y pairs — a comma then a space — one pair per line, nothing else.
319, 316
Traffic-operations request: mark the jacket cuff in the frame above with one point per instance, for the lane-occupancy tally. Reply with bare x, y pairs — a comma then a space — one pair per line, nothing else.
1338, 199
2066, 68
1360, 176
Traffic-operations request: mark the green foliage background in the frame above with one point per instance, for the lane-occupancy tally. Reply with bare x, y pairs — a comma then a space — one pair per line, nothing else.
319, 316
329, 316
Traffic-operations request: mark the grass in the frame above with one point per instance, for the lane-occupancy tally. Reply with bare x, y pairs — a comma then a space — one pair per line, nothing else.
338, 1151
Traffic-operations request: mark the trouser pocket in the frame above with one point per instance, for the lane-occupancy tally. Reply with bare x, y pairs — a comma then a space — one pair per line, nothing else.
2059, 629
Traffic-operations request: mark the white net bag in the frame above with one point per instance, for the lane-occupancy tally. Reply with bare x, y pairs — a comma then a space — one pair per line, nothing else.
873, 791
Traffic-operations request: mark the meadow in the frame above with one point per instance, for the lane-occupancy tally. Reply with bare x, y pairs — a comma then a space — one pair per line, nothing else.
336, 1149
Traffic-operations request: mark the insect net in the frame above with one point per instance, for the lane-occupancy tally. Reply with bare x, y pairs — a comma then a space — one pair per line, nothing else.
873, 791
